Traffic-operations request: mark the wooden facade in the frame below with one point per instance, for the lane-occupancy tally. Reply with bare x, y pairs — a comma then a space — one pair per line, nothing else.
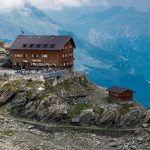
119, 94
61, 56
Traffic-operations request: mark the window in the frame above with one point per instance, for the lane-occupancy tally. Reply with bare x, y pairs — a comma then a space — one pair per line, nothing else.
35, 55
52, 45
34, 64
38, 45
45, 45
19, 55
41, 64
25, 55
31, 45
44, 56
24, 45
64, 55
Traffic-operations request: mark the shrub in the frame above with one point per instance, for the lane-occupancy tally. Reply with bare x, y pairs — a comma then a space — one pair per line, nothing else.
125, 108
76, 109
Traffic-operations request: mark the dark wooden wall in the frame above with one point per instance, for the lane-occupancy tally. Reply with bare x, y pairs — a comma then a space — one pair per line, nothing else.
125, 96
62, 58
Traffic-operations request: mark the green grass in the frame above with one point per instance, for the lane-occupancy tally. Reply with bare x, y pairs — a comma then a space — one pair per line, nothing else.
75, 110
125, 108
66, 85
49, 83
13, 86
43, 96
29, 95
4, 133
16, 85
33, 84
98, 110
82, 80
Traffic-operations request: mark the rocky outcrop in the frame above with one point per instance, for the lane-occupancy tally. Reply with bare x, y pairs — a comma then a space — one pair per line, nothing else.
110, 118
48, 109
147, 117
88, 117
63, 101
134, 117
5, 58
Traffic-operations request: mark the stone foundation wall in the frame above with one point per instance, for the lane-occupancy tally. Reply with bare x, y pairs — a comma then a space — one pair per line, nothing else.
36, 77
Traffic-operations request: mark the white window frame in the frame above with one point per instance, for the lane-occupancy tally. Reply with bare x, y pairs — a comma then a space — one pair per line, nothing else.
19, 55
44, 55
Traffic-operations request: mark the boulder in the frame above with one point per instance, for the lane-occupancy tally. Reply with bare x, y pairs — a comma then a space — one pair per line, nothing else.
6, 98
145, 125
147, 117
86, 112
40, 89
88, 117
110, 118
114, 144
51, 108
19, 99
30, 112
133, 118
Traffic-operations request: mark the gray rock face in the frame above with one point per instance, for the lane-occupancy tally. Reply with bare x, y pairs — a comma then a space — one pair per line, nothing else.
88, 117
145, 125
114, 144
134, 117
51, 107
110, 118
147, 117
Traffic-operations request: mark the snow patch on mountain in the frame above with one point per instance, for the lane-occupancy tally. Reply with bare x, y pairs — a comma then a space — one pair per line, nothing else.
132, 71
123, 58
83, 60
97, 38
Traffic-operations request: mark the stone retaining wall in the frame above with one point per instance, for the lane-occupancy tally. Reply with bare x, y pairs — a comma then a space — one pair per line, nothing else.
36, 77
64, 128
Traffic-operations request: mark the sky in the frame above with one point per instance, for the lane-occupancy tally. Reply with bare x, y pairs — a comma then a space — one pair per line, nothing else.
8, 5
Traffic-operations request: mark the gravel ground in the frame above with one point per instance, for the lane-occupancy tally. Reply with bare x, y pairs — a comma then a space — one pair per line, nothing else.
8, 71
15, 135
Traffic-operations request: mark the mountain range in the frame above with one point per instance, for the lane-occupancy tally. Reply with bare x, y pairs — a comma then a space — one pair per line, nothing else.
112, 45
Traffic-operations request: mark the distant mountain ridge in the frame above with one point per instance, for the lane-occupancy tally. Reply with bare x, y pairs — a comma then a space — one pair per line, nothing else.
124, 34
29, 19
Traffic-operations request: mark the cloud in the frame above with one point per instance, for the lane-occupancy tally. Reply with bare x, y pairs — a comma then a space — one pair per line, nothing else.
58, 4
7, 5
11, 4
138, 4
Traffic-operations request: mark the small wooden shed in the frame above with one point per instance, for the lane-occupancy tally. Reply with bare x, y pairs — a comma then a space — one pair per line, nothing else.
120, 94
75, 121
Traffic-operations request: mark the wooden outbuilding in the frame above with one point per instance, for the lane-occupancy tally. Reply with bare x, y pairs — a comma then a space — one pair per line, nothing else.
75, 121
120, 94
32, 51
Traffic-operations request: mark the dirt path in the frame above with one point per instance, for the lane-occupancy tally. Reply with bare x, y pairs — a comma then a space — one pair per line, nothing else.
59, 128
